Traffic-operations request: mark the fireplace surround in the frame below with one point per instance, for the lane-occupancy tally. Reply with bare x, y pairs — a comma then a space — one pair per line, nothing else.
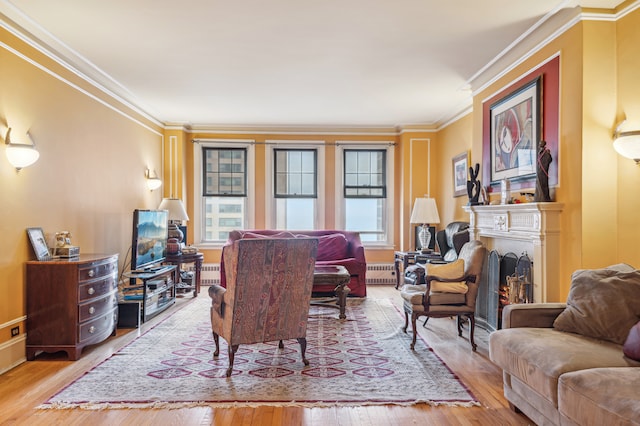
527, 228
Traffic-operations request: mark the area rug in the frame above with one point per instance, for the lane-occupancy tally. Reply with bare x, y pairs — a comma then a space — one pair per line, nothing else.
363, 360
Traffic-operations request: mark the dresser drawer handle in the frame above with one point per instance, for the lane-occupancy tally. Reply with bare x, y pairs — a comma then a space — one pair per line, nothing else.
92, 310
91, 290
92, 330
92, 273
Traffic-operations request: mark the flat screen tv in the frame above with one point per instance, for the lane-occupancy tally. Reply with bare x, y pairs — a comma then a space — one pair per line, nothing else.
149, 243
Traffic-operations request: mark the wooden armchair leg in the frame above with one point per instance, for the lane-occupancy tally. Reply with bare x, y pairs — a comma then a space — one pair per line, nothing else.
406, 321
472, 329
216, 340
303, 349
414, 329
232, 354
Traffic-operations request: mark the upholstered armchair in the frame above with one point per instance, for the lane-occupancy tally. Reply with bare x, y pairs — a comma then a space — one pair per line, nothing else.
451, 239
267, 296
450, 289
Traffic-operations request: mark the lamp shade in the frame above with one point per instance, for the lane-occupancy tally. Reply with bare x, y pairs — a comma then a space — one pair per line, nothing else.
175, 207
627, 144
425, 211
22, 155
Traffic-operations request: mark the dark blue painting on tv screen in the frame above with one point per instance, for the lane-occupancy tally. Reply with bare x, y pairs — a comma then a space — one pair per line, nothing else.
149, 238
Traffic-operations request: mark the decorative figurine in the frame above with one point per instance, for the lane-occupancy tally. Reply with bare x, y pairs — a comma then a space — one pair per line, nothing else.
542, 173
473, 185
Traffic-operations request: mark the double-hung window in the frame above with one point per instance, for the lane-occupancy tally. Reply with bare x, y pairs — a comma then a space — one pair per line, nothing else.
366, 182
295, 187
224, 204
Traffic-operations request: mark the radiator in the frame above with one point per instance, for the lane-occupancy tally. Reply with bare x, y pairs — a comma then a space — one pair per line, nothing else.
377, 273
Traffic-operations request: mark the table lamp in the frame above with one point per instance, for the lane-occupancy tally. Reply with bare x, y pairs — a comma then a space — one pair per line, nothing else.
177, 214
425, 212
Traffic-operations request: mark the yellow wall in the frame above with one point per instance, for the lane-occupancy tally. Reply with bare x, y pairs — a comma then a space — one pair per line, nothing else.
599, 66
88, 180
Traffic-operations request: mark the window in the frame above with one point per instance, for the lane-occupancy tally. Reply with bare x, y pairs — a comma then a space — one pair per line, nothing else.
364, 197
296, 188
224, 205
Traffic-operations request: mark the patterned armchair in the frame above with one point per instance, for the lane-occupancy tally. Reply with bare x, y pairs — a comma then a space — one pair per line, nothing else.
267, 296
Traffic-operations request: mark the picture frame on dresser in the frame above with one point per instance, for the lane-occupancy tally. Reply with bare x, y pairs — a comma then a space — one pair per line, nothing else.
38, 243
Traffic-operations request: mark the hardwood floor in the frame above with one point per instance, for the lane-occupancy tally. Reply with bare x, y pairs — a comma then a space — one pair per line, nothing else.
23, 388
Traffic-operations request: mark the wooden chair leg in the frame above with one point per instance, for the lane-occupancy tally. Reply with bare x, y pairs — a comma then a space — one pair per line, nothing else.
232, 354
406, 321
424, 324
280, 345
216, 340
414, 329
303, 349
472, 329
459, 322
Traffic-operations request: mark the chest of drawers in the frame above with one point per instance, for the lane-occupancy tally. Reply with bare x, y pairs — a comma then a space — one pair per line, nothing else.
71, 303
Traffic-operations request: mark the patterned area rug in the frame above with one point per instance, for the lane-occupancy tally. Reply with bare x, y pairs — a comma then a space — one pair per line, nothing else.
363, 360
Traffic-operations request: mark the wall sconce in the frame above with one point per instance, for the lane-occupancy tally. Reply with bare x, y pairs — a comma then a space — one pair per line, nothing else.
153, 181
20, 155
627, 144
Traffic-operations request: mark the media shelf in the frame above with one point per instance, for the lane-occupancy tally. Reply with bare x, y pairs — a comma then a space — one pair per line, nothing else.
153, 289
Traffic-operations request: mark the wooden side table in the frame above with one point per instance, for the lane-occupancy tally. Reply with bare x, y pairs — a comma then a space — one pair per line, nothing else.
335, 275
407, 258
181, 258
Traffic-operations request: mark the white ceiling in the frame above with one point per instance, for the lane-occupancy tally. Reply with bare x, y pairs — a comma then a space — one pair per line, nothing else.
285, 62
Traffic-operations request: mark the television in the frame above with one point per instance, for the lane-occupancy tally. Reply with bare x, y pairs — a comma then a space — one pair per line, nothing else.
149, 242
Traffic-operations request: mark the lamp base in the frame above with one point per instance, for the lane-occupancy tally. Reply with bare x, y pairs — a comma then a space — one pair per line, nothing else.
175, 232
424, 237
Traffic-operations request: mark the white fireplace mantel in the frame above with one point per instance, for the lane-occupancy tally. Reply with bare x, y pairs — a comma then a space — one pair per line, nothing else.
531, 228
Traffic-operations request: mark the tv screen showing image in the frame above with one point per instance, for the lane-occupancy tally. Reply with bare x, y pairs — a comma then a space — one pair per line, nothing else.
150, 233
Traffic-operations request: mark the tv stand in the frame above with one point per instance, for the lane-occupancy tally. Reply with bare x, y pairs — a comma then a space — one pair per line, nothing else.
154, 288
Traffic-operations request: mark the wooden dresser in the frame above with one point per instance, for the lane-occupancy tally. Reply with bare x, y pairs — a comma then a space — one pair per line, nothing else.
71, 303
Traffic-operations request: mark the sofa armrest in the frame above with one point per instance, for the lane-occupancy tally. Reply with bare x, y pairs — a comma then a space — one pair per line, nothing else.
531, 314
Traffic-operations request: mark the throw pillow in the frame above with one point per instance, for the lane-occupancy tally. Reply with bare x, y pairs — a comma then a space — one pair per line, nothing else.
602, 303
332, 247
631, 346
447, 270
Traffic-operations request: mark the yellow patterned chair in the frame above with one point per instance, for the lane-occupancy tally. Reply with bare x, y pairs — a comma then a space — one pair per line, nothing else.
268, 292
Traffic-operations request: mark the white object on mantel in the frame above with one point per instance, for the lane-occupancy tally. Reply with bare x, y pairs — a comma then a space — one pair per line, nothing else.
532, 228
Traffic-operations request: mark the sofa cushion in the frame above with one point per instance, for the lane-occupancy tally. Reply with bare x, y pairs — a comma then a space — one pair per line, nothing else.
600, 396
539, 356
631, 346
602, 303
447, 270
332, 246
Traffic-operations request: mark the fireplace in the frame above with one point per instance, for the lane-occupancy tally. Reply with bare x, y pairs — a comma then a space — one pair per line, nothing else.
495, 292
528, 228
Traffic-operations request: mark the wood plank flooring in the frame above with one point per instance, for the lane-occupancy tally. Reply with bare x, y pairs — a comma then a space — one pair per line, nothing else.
31, 383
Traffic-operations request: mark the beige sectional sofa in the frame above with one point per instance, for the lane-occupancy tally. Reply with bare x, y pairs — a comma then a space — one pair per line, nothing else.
565, 364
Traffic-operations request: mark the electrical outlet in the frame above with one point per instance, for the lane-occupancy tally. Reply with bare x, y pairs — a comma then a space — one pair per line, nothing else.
15, 331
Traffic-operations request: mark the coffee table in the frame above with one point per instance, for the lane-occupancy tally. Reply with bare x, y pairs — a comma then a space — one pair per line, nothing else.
332, 275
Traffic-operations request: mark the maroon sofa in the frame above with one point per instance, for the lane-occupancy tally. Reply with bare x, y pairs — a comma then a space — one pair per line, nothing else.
334, 248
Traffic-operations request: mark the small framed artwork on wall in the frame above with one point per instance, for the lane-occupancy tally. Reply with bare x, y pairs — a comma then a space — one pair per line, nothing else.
460, 170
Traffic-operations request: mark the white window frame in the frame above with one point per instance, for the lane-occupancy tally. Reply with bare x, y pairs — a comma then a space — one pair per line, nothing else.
341, 200
270, 201
199, 206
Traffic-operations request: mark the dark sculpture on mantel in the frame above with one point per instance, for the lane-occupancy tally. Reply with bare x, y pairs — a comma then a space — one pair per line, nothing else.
473, 185
542, 173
